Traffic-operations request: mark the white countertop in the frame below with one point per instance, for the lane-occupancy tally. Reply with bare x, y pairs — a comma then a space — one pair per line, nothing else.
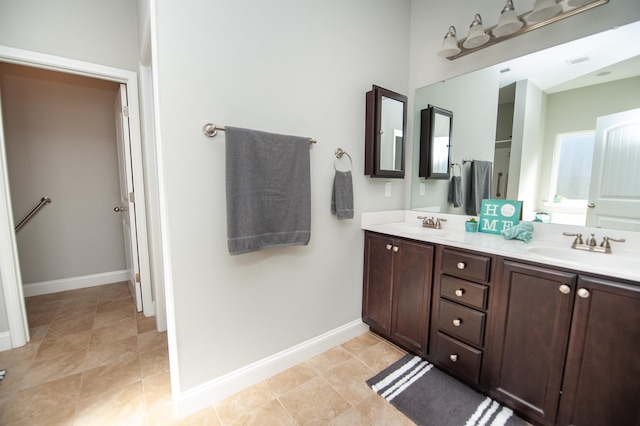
548, 245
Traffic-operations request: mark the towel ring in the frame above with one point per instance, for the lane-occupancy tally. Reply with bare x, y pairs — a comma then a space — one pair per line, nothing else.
339, 153
453, 170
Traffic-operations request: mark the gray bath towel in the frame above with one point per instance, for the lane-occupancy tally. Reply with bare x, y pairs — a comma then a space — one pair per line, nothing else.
268, 190
455, 191
342, 195
480, 187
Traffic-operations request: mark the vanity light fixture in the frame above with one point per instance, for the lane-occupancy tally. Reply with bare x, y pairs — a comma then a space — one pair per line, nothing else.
510, 25
449, 44
477, 37
508, 22
544, 9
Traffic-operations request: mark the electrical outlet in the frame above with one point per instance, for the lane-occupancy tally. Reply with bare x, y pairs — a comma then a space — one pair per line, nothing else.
387, 189
422, 188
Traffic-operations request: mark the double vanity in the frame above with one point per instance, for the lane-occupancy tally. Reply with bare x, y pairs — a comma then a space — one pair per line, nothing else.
550, 331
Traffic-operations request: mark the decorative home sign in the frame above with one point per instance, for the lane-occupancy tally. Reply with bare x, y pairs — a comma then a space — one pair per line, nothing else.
497, 215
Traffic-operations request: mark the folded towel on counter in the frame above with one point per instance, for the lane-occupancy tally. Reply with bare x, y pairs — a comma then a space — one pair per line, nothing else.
523, 231
455, 191
342, 195
268, 189
480, 187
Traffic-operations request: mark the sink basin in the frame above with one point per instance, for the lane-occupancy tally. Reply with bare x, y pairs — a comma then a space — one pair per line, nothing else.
415, 229
574, 256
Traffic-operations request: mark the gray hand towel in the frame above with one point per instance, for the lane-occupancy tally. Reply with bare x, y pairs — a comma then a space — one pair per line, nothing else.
342, 195
480, 187
268, 190
455, 191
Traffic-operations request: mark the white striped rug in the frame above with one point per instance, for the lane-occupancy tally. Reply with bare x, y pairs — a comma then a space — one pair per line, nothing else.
430, 397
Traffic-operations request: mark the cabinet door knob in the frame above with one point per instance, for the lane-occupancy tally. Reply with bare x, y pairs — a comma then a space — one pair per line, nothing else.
395, 249
564, 289
459, 292
389, 246
584, 293
457, 322
453, 357
461, 265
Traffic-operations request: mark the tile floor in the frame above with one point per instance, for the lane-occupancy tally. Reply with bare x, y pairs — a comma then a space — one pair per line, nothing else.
92, 360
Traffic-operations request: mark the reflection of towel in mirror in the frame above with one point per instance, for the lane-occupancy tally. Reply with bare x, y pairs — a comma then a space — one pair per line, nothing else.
342, 195
522, 231
455, 191
480, 187
268, 185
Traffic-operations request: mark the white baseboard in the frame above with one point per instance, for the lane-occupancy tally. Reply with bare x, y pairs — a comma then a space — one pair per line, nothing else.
73, 283
209, 393
5, 341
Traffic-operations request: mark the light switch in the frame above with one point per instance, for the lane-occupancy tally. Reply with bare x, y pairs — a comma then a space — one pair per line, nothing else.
422, 188
387, 189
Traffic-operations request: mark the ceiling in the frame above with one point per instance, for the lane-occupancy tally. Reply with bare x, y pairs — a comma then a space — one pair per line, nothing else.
600, 58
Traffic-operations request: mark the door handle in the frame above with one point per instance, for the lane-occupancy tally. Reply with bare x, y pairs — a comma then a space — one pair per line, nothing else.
591, 205
120, 209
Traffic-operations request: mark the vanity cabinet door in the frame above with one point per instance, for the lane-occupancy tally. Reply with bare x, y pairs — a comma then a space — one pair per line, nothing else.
602, 376
397, 290
530, 339
412, 271
378, 275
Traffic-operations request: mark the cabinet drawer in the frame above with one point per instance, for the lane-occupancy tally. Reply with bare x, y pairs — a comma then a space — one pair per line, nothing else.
465, 292
461, 322
460, 359
466, 265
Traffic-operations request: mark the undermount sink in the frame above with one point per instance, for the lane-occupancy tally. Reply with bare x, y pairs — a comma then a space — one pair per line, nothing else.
416, 229
569, 255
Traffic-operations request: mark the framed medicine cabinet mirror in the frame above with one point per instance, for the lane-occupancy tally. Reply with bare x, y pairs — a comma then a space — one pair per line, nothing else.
435, 142
386, 118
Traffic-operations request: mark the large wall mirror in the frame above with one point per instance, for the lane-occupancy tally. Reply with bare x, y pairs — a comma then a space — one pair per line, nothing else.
386, 117
524, 114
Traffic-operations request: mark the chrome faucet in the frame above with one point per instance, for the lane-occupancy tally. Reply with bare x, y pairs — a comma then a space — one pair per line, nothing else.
431, 222
591, 244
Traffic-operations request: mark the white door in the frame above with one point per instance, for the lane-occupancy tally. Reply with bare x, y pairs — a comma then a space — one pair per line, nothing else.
616, 160
127, 206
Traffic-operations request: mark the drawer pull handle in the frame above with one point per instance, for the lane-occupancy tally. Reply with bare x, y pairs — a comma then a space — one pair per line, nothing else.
584, 293
453, 357
564, 289
389, 246
459, 292
395, 249
457, 322
461, 265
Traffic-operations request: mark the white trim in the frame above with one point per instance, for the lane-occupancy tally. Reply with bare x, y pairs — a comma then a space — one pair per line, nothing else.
9, 266
5, 341
73, 283
209, 393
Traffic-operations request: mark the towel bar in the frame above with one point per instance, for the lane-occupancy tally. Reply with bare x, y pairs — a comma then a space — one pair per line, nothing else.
211, 130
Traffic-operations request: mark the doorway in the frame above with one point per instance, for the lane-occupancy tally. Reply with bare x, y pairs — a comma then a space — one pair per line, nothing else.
9, 266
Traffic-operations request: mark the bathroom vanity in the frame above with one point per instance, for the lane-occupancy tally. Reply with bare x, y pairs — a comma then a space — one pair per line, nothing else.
552, 333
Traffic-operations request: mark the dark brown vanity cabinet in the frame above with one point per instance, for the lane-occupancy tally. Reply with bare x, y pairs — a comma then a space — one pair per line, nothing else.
459, 315
397, 289
566, 348
602, 375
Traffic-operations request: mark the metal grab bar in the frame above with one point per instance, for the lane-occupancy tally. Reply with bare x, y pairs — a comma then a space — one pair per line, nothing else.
43, 202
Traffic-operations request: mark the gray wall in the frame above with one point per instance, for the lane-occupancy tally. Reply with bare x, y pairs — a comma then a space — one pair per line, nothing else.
291, 67
95, 31
61, 143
